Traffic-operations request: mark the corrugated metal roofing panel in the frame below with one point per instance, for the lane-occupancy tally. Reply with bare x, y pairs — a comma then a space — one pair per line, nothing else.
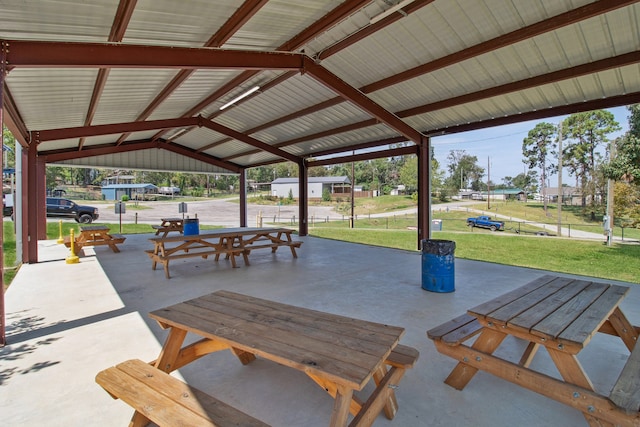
260, 157
59, 20
177, 23
341, 115
277, 22
196, 138
128, 92
296, 94
196, 88
157, 160
51, 99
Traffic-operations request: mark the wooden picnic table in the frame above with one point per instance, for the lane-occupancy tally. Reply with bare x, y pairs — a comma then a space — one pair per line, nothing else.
95, 235
168, 225
229, 242
340, 354
562, 315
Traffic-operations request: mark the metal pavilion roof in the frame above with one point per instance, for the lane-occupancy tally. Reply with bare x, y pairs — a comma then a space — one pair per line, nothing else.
139, 84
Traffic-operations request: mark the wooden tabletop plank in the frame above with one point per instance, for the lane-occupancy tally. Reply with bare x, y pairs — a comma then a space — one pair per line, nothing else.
94, 228
483, 310
536, 297
553, 325
223, 232
309, 324
536, 313
589, 322
377, 328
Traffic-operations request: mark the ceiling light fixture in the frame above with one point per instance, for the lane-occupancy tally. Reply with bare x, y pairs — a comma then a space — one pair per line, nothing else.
239, 97
391, 10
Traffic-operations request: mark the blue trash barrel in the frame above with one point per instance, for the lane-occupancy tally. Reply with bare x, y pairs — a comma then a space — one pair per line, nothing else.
191, 227
438, 272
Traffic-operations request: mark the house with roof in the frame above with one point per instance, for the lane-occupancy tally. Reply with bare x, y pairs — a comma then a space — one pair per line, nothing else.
133, 191
504, 194
281, 187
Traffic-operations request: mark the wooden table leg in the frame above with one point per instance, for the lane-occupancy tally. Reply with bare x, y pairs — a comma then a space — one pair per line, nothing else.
383, 397
487, 342
527, 357
571, 371
340, 414
624, 328
171, 349
332, 388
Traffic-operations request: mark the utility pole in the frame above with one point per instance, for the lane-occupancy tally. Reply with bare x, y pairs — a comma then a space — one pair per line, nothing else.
488, 183
353, 183
610, 194
560, 189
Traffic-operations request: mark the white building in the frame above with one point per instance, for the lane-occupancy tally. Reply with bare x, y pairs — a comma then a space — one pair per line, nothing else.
281, 187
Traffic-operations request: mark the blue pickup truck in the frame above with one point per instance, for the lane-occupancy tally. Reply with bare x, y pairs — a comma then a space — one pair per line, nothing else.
484, 221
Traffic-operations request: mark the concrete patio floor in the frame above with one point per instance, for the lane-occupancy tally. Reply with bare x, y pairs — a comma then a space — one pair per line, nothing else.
68, 322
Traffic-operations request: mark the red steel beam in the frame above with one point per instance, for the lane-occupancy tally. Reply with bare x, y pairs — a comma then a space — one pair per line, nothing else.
55, 156
361, 146
249, 140
329, 132
400, 151
568, 73
348, 92
41, 136
596, 104
37, 54
61, 156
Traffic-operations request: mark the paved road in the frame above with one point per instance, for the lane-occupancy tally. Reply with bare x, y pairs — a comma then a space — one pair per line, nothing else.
225, 212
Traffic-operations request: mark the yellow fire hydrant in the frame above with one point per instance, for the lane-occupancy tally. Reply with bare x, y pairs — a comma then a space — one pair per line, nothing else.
72, 258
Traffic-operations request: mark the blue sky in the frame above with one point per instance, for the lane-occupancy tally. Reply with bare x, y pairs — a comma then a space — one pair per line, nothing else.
503, 146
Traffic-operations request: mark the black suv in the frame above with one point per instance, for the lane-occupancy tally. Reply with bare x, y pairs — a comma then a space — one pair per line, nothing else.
65, 208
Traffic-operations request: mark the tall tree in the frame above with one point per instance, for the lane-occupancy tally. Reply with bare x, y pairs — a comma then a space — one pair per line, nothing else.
538, 149
626, 163
464, 171
587, 132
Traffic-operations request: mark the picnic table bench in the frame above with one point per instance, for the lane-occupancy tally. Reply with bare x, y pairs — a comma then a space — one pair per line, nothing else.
561, 315
168, 225
95, 235
230, 242
340, 354
166, 400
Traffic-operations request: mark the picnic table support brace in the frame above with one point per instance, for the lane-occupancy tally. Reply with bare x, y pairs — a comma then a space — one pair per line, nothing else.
487, 342
584, 400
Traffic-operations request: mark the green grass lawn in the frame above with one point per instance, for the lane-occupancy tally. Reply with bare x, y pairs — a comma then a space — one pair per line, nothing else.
617, 262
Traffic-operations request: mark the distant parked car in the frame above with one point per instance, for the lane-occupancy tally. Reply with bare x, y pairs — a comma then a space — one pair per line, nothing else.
484, 221
171, 191
65, 208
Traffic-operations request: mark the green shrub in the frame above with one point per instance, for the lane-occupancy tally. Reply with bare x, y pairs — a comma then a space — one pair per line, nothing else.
124, 198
